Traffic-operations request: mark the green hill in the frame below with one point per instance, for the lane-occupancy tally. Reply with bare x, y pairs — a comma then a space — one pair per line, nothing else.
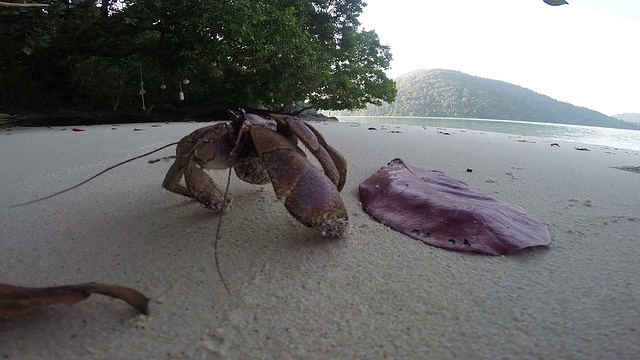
448, 93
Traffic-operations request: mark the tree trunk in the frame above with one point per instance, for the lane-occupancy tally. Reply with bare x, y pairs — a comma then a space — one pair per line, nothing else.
104, 9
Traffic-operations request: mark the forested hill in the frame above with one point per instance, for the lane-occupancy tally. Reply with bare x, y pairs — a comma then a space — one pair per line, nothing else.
448, 93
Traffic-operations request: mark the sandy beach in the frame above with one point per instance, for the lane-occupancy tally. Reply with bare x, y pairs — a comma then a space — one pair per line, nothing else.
295, 295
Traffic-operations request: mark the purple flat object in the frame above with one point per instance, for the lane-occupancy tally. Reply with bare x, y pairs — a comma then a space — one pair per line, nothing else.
429, 206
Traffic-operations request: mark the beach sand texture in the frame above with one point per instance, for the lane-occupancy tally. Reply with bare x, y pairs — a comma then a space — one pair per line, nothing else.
295, 295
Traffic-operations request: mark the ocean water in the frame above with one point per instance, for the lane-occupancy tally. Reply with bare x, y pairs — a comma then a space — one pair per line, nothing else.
615, 138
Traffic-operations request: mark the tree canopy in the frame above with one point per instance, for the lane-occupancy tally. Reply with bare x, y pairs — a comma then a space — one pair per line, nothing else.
112, 55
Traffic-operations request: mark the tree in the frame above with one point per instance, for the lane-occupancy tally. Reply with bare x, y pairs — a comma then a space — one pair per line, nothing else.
253, 53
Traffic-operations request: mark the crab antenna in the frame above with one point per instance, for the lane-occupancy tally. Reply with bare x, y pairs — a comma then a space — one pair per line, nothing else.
91, 178
215, 241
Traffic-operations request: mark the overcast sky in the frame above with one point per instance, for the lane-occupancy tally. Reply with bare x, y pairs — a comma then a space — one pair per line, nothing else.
586, 53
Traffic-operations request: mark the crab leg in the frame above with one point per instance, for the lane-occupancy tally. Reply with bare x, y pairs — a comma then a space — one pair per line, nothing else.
310, 196
199, 185
339, 160
171, 180
204, 189
333, 164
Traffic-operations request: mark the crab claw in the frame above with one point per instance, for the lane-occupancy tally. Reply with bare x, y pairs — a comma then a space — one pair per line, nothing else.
310, 196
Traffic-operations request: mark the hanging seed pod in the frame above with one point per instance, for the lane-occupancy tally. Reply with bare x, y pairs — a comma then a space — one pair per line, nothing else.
163, 87
186, 81
181, 95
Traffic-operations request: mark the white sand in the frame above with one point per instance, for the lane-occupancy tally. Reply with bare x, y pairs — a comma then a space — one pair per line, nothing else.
372, 295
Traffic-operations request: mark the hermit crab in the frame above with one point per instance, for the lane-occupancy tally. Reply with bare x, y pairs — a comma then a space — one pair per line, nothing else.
263, 149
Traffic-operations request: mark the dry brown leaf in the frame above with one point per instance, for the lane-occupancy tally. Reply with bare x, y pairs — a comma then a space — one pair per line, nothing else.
17, 300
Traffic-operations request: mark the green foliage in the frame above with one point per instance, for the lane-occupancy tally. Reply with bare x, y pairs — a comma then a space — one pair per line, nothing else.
447, 93
92, 54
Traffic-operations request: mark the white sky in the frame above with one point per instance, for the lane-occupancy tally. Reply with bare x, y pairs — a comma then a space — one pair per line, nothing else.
586, 53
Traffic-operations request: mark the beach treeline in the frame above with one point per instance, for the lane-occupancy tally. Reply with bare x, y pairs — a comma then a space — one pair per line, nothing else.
159, 55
